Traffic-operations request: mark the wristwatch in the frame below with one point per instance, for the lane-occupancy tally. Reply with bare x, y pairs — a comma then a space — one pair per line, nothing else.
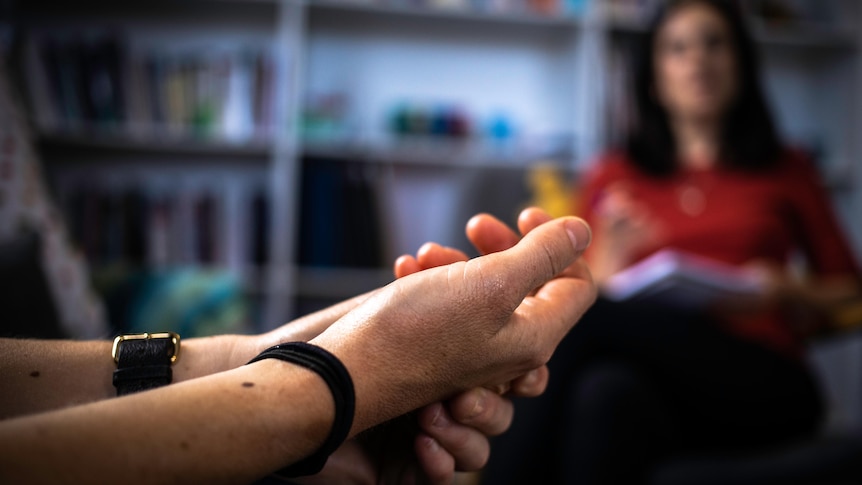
144, 360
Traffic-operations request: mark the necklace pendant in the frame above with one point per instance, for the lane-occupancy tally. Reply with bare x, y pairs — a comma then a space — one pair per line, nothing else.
692, 201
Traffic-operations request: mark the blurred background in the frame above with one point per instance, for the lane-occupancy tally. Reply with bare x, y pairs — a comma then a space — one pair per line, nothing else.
224, 166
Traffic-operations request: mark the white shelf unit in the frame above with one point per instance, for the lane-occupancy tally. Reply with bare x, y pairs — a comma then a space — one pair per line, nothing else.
379, 56
547, 73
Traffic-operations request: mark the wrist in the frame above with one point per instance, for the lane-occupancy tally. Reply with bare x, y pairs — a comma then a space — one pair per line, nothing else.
783, 290
362, 373
210, 355
384, 387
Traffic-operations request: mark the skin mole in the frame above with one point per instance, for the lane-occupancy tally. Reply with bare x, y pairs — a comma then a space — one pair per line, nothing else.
248, 384
35, 373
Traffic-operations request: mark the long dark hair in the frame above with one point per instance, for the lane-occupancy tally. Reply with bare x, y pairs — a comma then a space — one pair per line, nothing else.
748, 139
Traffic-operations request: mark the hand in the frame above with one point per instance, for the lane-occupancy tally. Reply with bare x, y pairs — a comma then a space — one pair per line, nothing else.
772, 281
462, 443
778, 292
488, 235
477, 323
624, 228
422, 447
450, 437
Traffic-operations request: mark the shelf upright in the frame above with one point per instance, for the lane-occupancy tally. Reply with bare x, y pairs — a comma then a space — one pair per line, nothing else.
289, 46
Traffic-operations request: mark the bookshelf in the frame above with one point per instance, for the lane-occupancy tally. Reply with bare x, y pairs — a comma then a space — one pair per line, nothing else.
200, 148
108, 143
342, 83
461, 14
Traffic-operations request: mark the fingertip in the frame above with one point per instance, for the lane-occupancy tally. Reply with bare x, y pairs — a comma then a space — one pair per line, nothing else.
433, 415
426, 248
436, 462
475, 221
531, 384
490, 235
531, 218
482, 409
477, 224
405, 265
432, 255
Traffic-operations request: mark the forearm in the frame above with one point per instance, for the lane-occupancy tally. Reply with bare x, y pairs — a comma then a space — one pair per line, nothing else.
42, 375
827, 293
232, 427
309, 326
826, 297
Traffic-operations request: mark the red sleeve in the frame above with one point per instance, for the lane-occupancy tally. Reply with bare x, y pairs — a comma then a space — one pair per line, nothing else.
815, 223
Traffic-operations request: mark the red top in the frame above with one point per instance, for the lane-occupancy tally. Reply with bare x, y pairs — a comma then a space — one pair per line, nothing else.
736, 217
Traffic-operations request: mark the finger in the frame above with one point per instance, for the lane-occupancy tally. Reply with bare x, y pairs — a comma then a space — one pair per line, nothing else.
615, 204
489, 235
432, 255
531, 384
500, 389
532, 218
542, 254
406, 265
483, 410
468, 446
437, 463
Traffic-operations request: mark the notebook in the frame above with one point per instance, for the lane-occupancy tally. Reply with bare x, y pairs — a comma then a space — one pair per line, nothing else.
681, 280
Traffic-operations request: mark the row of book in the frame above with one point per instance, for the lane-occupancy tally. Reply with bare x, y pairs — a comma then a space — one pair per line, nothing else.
141, 229
340, 220
340, 223
567, 8
364, 215
95, 81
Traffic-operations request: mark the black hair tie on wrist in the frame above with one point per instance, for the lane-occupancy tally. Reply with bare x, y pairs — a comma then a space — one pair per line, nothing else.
328, 367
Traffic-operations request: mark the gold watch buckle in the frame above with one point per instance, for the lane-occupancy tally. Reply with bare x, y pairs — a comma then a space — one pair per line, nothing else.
174, 337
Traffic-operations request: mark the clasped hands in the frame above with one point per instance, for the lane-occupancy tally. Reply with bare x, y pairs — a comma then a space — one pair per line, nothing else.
463, 334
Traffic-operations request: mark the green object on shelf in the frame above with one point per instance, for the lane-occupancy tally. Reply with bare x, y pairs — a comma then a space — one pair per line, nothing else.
204, 119
192, 302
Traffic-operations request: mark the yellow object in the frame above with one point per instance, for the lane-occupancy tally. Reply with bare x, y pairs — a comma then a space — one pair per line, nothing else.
550, 191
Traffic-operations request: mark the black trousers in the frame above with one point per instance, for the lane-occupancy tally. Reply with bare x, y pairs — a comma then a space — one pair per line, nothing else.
633, 385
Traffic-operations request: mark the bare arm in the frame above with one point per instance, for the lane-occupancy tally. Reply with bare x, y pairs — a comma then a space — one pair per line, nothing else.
231, 427
813, 302
45, 375
420, 339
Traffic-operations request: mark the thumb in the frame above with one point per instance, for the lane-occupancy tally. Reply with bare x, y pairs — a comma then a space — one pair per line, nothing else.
543, 253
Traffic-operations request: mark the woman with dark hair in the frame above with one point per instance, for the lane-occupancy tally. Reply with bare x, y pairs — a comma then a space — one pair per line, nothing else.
702, 172
730, 84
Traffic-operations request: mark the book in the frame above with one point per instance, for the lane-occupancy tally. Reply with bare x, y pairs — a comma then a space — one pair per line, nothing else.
96, 82
681, 280
340, 222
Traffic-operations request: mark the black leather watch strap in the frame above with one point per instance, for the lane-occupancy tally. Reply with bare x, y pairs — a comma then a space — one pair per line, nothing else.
144, 361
